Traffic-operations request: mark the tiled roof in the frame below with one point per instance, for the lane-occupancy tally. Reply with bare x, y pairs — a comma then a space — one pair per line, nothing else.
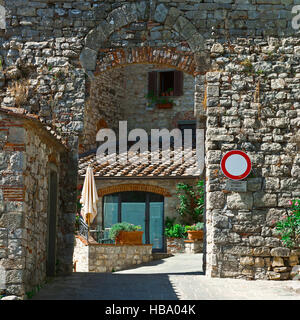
176, 168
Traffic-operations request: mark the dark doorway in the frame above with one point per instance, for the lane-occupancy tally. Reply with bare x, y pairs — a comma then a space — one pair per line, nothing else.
52, 214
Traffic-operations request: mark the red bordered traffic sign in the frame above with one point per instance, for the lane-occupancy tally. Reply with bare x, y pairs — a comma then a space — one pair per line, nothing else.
236, 165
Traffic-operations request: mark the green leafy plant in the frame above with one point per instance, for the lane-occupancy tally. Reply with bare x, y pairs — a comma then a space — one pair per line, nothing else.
154, 99
169, 222
289, 227
122, 226
175, 231
33, 292
191, 202
248, 67
195, 227
79, 206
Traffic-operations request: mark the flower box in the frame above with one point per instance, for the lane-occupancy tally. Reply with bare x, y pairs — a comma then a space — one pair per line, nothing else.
195, 235
130, 237
168, 105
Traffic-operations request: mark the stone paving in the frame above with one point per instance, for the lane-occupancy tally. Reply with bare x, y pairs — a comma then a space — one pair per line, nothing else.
175, 278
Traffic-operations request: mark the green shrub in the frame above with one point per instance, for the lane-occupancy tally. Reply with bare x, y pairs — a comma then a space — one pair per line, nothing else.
175, 231
122, 226
191, 202
289, 227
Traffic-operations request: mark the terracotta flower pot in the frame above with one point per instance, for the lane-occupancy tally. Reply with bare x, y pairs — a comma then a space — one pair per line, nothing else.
164, 105
195, 235
130, 237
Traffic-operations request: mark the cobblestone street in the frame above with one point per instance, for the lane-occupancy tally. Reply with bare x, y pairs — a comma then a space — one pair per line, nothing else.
179, 277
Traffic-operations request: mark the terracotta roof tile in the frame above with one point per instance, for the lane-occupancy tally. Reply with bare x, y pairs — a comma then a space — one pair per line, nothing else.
176, 167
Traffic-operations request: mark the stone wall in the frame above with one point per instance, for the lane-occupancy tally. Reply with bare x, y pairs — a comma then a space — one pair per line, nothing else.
253, 105
193, 246
109, 257
180, 245
26, 150
120, 94
52, 50
106, 96
135, 103
175, 245
43, 42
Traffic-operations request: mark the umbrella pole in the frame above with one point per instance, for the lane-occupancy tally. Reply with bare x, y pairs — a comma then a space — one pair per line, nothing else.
88, 224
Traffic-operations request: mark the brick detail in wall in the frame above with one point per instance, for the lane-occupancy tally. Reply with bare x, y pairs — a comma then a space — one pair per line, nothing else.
109, 59
133, 187
13, 193
14, 147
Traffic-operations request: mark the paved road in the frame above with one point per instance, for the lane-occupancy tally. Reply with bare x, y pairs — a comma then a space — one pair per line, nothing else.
173, 278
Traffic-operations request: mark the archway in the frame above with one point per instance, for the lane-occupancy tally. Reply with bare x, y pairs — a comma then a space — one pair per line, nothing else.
111, 47
160, 24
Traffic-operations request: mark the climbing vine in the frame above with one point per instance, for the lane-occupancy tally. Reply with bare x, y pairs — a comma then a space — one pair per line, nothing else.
191, 202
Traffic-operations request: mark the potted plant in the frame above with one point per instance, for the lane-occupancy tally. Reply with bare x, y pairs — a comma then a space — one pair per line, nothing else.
175, 234
161, 103
164, 103
171, 91
195, 231
126, 233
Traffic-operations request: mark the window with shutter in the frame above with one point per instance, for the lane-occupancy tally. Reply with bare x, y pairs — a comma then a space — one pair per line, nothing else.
165, 83
152, 83
178, 83
188, 124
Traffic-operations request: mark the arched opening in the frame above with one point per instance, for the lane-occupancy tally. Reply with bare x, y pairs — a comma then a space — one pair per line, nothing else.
131, 91
147, 71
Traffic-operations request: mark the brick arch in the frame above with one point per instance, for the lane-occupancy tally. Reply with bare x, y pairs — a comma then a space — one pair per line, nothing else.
168, 57
168, 17
133, 187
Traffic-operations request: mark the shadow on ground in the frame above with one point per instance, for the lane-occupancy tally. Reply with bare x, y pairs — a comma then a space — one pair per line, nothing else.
109, 286
149, 281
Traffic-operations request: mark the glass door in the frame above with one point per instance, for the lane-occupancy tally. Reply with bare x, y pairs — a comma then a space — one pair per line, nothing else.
156, 221
133, 209
110, 210
139, 208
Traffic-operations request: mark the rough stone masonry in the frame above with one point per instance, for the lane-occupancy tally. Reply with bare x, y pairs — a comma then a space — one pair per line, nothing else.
244, 56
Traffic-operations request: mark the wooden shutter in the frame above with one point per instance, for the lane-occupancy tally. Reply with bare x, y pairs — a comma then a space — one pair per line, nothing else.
178, 83
152, 82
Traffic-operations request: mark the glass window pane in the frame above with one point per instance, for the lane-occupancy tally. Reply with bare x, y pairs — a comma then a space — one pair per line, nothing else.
133, 209
111, 203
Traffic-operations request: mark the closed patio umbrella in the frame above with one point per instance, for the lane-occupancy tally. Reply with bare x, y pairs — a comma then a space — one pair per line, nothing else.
89, 197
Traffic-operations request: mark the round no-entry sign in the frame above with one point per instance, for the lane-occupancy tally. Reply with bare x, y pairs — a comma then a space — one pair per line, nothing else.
236, 165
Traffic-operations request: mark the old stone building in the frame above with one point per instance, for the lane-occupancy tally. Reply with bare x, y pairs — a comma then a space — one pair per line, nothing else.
34, 235
75, 64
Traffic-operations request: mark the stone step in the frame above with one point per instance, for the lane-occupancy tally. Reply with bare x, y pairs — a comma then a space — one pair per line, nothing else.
160, 255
